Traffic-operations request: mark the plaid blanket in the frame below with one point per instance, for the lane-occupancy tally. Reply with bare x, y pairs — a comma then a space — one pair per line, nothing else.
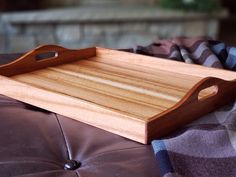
203, 51
206, 147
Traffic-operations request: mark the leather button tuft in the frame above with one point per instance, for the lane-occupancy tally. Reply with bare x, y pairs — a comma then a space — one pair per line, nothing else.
72, 165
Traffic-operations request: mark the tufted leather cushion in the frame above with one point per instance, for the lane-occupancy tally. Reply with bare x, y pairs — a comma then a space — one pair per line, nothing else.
38, 143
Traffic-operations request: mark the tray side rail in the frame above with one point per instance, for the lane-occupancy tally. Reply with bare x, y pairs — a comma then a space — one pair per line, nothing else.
45, 56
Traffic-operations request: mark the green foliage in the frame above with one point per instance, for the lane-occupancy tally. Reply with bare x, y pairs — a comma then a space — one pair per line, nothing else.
191, 5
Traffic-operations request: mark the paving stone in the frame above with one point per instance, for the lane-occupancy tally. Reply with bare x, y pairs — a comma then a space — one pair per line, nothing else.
111, 29
21, 43
135, 27
93, 30
167, 29
16, 29
70, 45
131, 40
39, 29
195, 28
212, 29
111, 41
47, 38
3, 46
90, 41
2, 38
68, 32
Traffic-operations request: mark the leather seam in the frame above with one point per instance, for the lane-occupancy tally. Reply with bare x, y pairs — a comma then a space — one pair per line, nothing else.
40, 173
108, 152
64, 138
28, 161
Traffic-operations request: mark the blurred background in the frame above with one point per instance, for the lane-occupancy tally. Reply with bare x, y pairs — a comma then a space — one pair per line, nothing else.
25, 24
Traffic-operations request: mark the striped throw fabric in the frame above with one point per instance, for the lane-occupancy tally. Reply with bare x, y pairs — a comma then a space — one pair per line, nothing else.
203, 51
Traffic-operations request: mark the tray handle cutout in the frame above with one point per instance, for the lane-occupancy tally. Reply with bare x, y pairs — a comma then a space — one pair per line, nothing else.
207, 92
210, 88
45, 56
191, 107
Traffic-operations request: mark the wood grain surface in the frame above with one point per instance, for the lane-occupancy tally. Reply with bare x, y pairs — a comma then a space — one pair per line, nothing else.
135, 96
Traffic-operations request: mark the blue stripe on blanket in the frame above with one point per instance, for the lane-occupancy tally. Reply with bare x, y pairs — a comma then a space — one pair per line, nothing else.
218, 48
231, 59
162, 157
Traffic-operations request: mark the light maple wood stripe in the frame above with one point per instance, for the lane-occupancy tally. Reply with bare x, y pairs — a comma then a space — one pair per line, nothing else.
159, 95
127, 107
147, 77
181, 80
93, 83
179, 86
153, 89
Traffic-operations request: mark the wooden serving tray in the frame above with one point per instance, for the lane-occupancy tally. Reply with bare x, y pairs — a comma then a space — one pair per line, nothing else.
135, 96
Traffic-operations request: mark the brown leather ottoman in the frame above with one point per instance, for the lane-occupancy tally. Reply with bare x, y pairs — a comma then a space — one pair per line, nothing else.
37, 143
